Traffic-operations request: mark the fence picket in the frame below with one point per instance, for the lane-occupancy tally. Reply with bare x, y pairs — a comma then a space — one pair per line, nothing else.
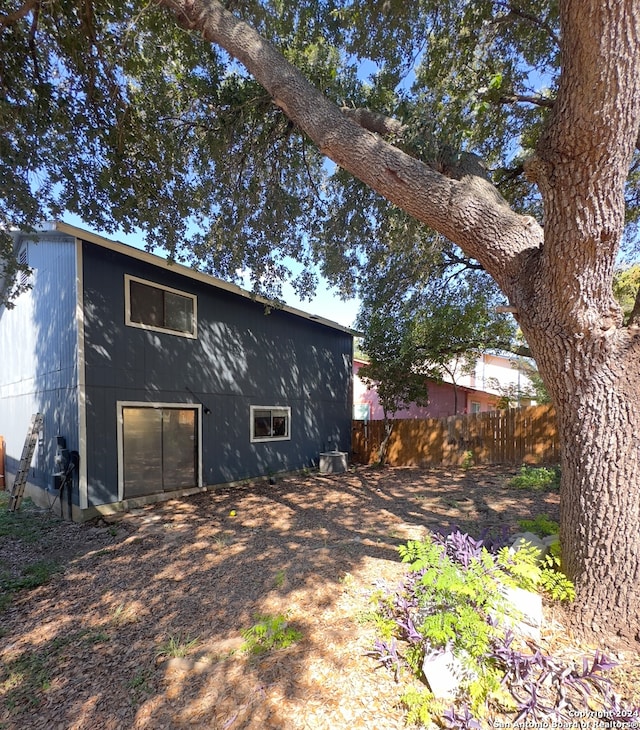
513, 436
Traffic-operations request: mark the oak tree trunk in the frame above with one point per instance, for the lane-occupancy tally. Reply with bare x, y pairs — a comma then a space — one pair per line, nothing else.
596, 391
589, 360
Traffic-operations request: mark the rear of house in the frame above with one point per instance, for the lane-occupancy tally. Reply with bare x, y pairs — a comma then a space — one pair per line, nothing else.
163, 379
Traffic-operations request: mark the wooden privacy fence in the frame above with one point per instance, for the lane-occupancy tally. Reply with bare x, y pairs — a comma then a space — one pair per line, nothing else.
515, 436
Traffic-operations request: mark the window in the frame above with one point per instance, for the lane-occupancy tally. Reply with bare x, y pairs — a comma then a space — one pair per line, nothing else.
159, 308
361, 411
270, 423
475, 407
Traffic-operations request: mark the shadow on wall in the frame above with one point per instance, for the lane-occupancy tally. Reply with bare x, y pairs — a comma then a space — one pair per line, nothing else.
241, 357
54, 392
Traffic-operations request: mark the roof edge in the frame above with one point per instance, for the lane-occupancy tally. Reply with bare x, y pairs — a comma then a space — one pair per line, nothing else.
155, 260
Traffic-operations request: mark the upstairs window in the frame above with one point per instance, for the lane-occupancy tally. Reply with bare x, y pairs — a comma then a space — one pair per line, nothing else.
159, 308
270, 423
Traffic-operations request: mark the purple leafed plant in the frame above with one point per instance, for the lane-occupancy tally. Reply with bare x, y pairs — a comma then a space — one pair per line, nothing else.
542, 686
545, 687
460, 547
495, 542
409, 631
461, 719
591, 676
387, 655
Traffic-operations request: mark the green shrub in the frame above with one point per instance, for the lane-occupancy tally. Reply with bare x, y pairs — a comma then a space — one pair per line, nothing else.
541, 525
451, 599
269, 633
468, 460
537, 479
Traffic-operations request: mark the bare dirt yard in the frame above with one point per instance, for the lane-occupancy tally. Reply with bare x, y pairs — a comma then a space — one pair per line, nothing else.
141, 627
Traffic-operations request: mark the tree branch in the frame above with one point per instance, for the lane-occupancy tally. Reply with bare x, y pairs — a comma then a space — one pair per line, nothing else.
32, 42
18, 14
525, 99
373, 121
447, 161
451, 260
469, 211
515, 13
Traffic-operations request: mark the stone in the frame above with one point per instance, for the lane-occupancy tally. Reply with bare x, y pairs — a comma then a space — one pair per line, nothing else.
443, 672
527, 617
529, 539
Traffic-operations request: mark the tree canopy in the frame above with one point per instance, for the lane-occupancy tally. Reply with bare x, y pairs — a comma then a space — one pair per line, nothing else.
435, 329
111, 112
626, 288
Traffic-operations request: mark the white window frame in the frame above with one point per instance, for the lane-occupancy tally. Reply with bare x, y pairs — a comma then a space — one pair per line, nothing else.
476, 406
261, 439
128, 278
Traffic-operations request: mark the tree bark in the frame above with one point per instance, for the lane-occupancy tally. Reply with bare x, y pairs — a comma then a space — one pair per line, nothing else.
571, 321
384, 445
559, 280
594, 382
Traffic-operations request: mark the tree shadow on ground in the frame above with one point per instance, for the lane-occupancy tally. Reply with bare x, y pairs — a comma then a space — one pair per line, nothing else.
102, 644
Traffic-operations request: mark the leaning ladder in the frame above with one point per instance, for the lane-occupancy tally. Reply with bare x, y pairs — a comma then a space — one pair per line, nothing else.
17, 490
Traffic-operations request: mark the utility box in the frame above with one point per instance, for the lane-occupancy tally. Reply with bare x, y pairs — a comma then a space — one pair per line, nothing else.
333, 462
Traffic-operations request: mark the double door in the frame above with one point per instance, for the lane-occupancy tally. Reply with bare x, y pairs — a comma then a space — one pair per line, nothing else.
159, 449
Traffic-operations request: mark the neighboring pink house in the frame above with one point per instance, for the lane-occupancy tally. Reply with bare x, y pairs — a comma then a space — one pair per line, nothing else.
477, 392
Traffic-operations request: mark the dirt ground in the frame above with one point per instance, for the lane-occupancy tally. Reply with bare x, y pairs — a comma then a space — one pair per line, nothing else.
99, 645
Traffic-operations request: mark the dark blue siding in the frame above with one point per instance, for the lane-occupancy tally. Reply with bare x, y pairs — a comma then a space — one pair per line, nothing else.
242, 357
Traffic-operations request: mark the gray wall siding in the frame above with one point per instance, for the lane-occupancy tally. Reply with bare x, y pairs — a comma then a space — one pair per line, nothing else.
38, 344
242, 357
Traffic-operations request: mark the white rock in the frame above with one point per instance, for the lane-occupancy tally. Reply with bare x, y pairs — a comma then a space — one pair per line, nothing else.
526, 617
443, 673
528, 539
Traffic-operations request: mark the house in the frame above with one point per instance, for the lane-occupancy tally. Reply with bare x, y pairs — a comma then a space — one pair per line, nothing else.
163, 379
500, 375
477, 391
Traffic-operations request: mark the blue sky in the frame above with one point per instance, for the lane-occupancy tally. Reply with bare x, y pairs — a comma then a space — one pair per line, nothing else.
326, 304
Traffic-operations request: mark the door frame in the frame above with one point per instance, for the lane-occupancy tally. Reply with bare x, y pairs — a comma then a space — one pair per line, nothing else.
122, 404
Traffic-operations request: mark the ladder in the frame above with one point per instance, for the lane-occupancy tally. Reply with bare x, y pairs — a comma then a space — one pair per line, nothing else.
17, 490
